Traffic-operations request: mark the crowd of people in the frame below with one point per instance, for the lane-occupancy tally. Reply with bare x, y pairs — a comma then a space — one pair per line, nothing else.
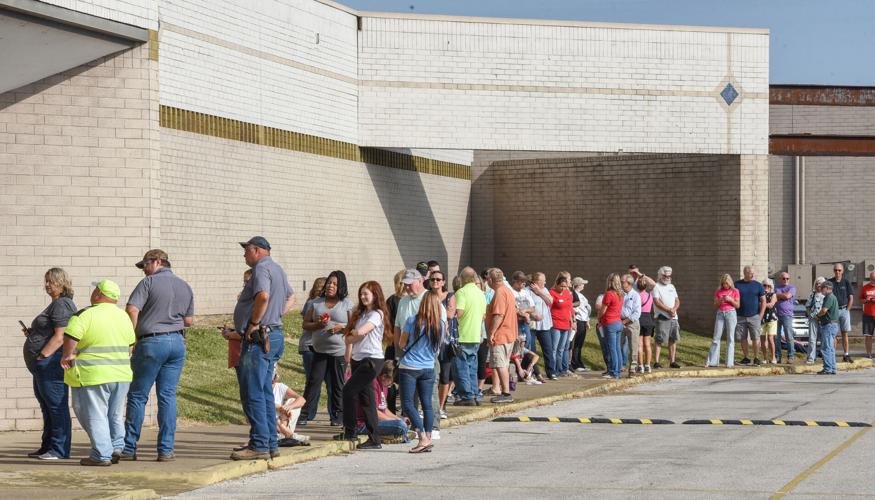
434, 341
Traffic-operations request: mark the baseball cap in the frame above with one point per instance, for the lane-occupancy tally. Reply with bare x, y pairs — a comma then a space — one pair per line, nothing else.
411, 276
154, 254
257, 241
579, 281
108, 288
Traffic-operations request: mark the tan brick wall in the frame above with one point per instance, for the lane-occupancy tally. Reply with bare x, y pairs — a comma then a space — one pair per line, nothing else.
318, 213
597, 215
78, 152
831, 120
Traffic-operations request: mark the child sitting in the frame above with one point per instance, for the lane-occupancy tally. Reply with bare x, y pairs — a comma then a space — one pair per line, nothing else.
288, 409
387, 423
526, 362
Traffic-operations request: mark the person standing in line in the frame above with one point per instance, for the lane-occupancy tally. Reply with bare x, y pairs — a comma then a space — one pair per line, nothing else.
305, 349
160, 307
260, 306
561, 312
844, 294
609, 319
630, 314
829, 326
867, 298
600, 334
542, 329
97, 366
437, 283
364, 353
639, 276
421, 337
582, 312
470, 311
501, 332
666, 303
525, 304
768, 340
42, 356
725, 302
751, 308
812, 307
392, 306
646, 322
786, 294
328, 317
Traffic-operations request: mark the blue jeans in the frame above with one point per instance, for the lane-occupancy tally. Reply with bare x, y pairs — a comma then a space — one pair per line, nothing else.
613, 332
548, 348
522, 328
101, 412
256, 375
395, 427
828, 334
603, 343
813, 337
725, 320
51, 393
156, 361
560, 355
785, 323
466, 371
420, 382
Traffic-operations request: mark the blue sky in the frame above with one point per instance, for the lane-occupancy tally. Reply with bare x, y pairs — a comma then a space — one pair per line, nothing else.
819, 42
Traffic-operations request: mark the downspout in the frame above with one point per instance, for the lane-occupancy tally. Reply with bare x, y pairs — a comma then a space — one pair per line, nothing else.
797, 212
802, 209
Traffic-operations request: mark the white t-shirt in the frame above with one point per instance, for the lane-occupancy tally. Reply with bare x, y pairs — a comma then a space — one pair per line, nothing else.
372, 345
667, 295
279, 393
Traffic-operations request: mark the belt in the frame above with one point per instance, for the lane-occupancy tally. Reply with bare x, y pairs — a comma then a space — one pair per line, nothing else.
843, 307
147, 335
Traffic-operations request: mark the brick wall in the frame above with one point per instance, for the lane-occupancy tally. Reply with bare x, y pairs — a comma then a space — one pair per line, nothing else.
78, 157
831, 120
142, 13
432, 81
319, 214
597, 215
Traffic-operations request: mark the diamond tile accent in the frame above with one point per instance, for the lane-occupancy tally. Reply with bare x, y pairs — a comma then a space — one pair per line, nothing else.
729, 94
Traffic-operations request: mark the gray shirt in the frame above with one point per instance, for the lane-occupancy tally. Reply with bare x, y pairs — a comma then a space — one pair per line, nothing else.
324, 341
267, 276
57, 314
306, 340
164, 300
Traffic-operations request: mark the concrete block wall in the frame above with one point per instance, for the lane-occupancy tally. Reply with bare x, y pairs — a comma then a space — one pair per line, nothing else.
78, 161
431, 81
289, 64
319, 214
141, 13
592, 216
828, 120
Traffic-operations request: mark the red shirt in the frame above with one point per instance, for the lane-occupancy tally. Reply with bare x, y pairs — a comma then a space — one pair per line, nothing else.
612, 305
561, 309
868, 292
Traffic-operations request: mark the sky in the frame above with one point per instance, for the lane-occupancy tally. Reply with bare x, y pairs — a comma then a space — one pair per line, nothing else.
828, 42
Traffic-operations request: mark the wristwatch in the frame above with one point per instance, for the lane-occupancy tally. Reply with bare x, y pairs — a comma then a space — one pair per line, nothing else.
254, 323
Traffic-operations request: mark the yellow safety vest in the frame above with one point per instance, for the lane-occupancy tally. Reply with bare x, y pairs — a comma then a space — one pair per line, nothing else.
104, 334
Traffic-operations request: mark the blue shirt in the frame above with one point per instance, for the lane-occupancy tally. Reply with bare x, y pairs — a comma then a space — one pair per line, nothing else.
631, 306
418, 353
750, 292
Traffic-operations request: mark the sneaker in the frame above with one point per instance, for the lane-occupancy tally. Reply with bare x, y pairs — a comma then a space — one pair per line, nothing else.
289, 443
532, 381
369, 445
640, 368
444, 415
90, 462
847, 358
809, 361
674, 364
607, 375
336, 423
35, 454
249, 454
465, 402
301, 437
633, 368
126, 456
790, 361
756, 362
450, 399
170, 457
744, 361
647, 369
581, 369
435, 434
553, 377
47, 456
301, 423
504, 398
657, 366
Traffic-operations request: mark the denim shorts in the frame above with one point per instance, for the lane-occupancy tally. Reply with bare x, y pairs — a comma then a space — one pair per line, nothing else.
844, 320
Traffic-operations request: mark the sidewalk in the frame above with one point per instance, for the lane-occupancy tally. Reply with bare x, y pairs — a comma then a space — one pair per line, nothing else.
203, 451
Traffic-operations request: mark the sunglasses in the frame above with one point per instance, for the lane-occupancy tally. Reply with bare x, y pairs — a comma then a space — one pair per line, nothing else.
436, 279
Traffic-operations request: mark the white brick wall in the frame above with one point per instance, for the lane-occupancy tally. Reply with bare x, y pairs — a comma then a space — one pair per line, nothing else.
433, 83
142, 13
260, 62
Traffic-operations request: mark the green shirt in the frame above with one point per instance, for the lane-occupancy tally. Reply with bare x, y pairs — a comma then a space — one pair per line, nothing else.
104, 334
831, 303
471, 300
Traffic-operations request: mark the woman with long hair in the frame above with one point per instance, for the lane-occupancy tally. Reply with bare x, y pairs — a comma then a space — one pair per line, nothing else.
647, 325
609, 320
437, 283
726, 299
327, 319
364, 353
42, 356
420, 341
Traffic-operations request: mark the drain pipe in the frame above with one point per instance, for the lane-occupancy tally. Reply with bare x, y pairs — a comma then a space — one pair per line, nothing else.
797, 212
802, 209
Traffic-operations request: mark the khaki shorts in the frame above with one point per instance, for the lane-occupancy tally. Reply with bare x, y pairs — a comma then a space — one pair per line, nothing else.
500, 355
748, 327
770, 329
667, 330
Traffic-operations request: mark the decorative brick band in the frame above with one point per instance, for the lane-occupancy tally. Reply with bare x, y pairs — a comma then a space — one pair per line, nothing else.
153, 45
253, 133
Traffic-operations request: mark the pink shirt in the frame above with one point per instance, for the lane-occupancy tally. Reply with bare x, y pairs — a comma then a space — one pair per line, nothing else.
646, 301
732, 293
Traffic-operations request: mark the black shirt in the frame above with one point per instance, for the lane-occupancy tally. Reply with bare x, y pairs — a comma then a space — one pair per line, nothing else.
42, 328
842, 290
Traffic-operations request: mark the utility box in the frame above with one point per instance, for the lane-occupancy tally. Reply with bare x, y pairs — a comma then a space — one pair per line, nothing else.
802, 276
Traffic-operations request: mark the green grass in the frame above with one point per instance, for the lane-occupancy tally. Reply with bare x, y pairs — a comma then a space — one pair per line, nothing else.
208, 391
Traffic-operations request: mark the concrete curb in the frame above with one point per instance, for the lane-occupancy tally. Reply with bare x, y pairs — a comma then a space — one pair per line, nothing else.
233, 470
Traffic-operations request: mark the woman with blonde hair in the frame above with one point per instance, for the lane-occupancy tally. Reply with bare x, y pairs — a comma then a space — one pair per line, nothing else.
609, 320
770, 323
420, 341
42, 356
726, 300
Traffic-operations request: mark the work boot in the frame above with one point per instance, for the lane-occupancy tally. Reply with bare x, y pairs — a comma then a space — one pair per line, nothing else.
249, 454
90, 462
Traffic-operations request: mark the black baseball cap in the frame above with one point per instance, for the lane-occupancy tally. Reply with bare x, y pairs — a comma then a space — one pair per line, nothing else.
256, 241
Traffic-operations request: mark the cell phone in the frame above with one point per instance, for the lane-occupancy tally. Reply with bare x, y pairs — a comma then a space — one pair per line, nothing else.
26, 329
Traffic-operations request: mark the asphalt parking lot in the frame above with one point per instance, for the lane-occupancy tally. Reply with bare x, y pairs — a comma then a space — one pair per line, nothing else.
561, 460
